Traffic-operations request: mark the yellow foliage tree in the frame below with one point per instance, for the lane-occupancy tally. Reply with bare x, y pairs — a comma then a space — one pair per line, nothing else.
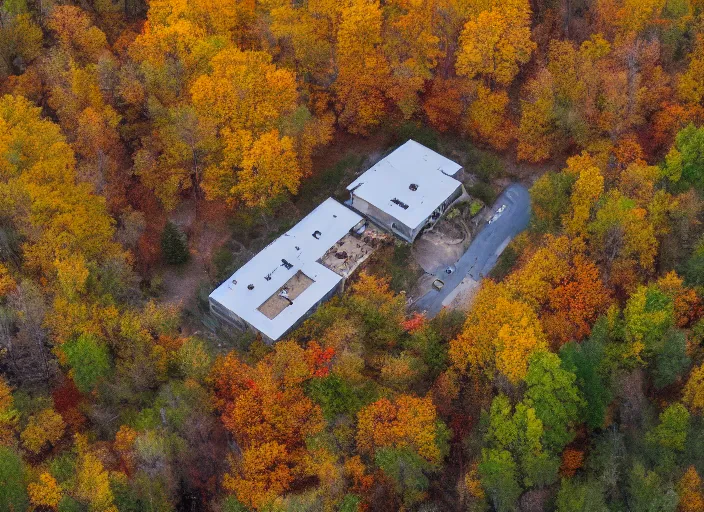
76, 33
7, 282
413, 50
250, 101
92, 483
45, 493
9, 416
536, 137
486, 118
693, 393
269, 167
57, 214
499, 334
262, 474
691, 83
585, 192
629, 16
46, 427
495, 42
363, 71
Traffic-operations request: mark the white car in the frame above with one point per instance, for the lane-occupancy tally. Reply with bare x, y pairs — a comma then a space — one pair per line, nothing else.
497, 214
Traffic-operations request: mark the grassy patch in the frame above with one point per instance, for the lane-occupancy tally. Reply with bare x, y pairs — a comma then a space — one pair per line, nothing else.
325, 183
505, 264
224, 262
403, 270
487, 166
508, 259
419, 133
475, 207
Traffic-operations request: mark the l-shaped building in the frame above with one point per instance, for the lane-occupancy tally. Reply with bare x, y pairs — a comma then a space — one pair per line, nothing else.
285, 282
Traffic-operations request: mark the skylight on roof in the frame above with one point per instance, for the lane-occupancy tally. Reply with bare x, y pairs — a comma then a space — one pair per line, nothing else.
400, 203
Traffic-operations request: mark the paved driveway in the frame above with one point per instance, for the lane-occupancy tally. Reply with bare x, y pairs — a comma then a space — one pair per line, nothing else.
482, 254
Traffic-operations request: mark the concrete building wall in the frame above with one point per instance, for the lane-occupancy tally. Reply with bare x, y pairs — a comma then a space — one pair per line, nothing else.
382, 218
390, 223
230, 319
225, 315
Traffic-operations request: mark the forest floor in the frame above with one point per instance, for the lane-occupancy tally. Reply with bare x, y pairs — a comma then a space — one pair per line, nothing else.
207, 231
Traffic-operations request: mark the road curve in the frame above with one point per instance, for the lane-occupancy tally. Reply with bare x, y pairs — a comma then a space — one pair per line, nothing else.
485, 249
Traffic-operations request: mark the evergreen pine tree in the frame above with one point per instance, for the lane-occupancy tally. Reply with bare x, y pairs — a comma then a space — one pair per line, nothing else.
174, 246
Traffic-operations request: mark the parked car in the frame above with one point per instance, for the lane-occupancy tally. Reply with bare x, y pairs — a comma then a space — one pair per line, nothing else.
497, 214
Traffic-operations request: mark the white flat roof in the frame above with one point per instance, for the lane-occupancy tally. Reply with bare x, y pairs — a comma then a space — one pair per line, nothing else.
391, 177
266, 271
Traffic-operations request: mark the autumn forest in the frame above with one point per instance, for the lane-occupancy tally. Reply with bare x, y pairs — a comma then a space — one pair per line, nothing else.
149, 148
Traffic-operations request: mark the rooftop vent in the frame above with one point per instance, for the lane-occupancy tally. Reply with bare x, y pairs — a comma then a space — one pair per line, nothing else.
413, 187
286, 264
316, 234
250, 287
400, 203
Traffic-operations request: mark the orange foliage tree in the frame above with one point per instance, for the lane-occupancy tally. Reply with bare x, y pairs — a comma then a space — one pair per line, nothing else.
407, 421
689, 489
265, 409
564, 286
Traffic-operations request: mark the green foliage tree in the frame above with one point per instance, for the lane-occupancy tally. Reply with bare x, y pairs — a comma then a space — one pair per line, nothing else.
581, 496
428, 345
687, 157
550, 197
174, 246
553, 393
585, 360
407, 470
334, 395
669, 437
350, 503
520, 432
671, 359
693, 268
647, 492
89, 361
499, 476
648, 315
13, 481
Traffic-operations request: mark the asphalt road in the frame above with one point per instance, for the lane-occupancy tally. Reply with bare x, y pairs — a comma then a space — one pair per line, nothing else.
485, 249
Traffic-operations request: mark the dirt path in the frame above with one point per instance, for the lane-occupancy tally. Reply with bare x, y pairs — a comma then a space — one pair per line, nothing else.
207, 230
